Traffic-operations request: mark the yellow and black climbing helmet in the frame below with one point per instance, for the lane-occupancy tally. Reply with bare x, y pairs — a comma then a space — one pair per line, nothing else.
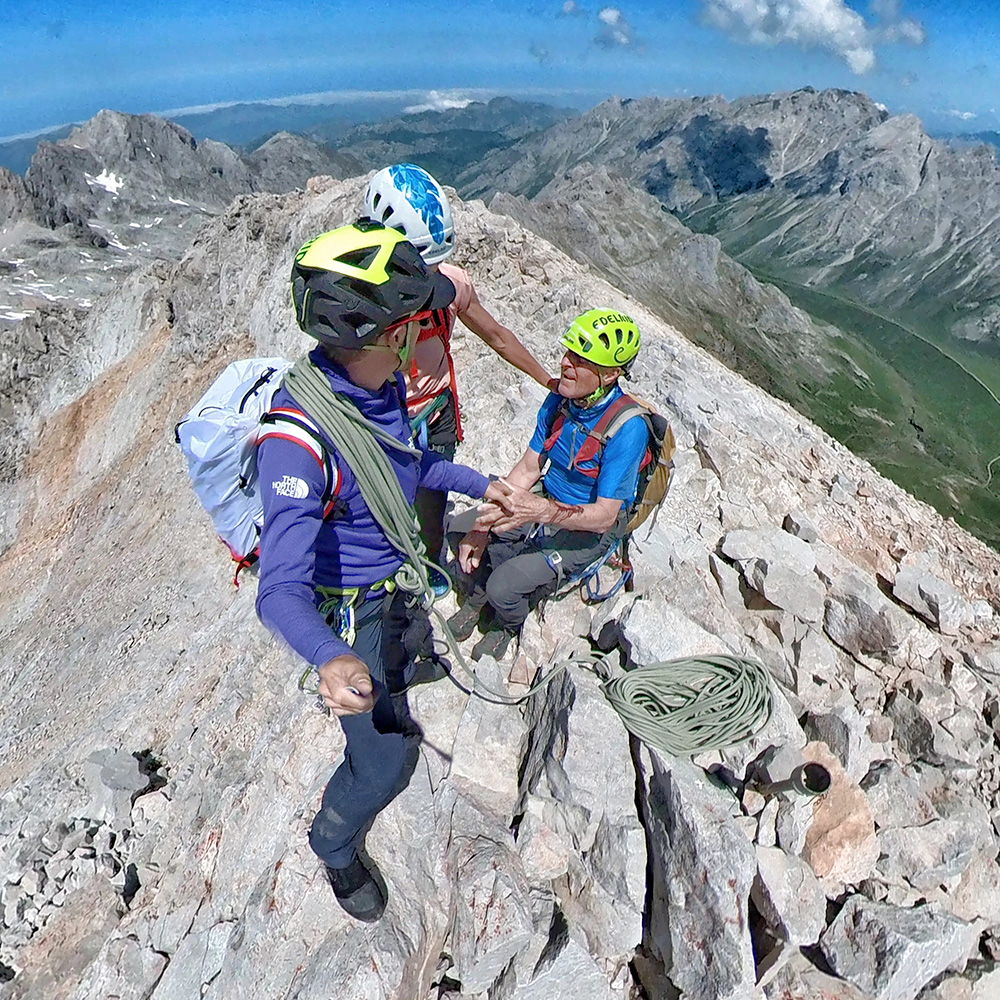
352, 283
606, 337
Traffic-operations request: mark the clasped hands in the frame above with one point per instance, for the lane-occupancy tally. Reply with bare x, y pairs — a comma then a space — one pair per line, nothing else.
507, 507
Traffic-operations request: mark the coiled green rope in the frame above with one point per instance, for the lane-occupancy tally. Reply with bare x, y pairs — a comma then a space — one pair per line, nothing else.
684, 707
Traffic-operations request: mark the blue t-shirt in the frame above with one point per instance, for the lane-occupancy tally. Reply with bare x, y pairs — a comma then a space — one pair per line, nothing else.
618, 477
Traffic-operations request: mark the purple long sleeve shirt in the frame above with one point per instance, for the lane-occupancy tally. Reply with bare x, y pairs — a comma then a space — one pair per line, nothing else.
300, 551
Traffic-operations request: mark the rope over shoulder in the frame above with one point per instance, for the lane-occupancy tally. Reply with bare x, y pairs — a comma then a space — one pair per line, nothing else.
358, 442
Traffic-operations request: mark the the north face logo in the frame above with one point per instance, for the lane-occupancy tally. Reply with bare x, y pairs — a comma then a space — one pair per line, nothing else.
291, 486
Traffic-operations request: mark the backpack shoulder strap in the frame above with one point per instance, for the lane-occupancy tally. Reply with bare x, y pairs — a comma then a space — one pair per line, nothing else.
290, 424
555, 427
611, 421
617, 415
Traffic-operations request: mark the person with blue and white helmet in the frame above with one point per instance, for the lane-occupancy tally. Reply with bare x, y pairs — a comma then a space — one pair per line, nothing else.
406, 197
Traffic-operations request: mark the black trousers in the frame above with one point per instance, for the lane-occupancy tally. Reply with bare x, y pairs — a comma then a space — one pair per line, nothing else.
382, 745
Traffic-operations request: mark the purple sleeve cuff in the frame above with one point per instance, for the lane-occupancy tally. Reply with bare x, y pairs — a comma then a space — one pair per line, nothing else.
437, 473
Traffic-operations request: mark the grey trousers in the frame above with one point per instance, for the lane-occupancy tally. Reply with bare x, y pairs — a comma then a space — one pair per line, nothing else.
516, 570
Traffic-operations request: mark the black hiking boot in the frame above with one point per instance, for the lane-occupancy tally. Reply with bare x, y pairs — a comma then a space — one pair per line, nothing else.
464, 621
359, 892
493, 644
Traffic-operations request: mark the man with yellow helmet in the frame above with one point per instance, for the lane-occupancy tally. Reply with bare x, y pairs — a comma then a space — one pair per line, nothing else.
517, 554
327, 569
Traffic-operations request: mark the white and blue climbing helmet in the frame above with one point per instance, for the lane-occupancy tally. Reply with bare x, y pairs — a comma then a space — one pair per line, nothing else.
406, 197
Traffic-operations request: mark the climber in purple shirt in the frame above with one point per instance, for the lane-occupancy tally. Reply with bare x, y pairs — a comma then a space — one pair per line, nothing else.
326, 567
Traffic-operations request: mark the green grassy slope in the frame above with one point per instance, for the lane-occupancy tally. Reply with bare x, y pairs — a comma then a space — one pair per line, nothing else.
925, 411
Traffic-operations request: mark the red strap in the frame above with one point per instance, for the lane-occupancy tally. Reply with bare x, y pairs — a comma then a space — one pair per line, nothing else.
594, 443
245, 563
440, 326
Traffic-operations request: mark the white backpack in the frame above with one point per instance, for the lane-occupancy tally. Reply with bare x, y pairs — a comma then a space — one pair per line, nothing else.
219, 438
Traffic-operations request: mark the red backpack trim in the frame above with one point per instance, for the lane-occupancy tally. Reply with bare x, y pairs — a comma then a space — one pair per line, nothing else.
598, 436
293, 425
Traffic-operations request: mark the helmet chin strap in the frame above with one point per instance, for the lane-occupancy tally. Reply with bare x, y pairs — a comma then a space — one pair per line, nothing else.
596, 396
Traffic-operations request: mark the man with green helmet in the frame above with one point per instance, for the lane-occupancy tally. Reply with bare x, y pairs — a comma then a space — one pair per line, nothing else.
514, 555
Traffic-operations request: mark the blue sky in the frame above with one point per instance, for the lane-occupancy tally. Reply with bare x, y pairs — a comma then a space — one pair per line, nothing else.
66, 59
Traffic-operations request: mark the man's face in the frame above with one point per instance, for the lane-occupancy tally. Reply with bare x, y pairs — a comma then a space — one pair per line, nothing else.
403, 336
578, 377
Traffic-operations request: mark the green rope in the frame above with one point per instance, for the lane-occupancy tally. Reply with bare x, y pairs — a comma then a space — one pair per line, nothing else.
684, 707
358, 442
681, 707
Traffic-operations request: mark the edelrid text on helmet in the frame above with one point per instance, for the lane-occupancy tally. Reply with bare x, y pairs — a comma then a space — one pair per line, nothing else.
406, 197
350, 284
606, 337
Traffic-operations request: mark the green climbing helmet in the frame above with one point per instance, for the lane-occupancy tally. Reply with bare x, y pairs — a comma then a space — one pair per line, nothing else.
606, 337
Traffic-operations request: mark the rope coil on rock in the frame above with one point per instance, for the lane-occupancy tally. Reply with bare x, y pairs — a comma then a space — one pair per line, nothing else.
686, 706
681, 707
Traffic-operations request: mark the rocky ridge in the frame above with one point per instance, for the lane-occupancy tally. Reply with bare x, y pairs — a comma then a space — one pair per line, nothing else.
595, 216
825, 188
122, 190
162, 768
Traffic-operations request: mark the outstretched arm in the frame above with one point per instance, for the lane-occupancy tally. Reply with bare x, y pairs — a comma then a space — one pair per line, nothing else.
523, 507
504, 342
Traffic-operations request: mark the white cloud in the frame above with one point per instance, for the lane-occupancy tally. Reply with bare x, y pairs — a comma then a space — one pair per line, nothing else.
893, 27
615, 30
822, 24
571, 8
963, 115
437, 101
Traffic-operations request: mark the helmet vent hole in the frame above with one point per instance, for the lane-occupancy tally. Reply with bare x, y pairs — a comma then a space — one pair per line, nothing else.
605, 340
619, 336
362, 258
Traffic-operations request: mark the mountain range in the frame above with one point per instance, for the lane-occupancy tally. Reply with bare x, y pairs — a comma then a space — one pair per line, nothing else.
160, 767
810, 240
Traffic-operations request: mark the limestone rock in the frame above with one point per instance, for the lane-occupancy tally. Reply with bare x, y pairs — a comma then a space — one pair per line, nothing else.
861, 620
492, 915
565, 969
935, 600
577, 756
703, 868
892, 953
114, 778
779, 566
487, 749
789, 897
845, 731
895, 797
927, 856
